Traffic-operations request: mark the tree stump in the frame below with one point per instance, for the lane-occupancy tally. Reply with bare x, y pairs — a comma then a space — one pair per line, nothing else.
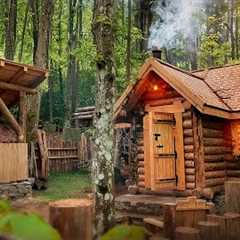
209, 230
232, 196
232, 226
72, 218
187, 233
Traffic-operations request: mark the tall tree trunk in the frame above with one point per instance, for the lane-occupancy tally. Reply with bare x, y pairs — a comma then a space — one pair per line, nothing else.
103, 168
41, 58
232, 28
129, 41
237, 31
10, 28
23, 32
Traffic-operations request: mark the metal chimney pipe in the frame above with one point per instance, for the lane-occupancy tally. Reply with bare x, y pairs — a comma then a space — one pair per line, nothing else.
157, 53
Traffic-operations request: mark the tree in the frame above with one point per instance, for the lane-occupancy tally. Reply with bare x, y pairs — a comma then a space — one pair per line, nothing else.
10, 28
129, 40
41, 34
103, 169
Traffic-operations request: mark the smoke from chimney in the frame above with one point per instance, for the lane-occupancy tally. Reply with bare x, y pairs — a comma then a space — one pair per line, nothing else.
176, 19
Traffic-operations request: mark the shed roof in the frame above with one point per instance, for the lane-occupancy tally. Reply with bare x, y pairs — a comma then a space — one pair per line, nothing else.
22, 75
214, 92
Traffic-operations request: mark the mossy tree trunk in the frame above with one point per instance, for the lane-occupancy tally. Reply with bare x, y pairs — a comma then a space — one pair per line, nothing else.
103, 169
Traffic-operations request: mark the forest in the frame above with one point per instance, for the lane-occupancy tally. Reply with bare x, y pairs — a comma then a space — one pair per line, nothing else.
210, 38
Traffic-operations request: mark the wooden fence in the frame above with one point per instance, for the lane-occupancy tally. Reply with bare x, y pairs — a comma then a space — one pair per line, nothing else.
64, 156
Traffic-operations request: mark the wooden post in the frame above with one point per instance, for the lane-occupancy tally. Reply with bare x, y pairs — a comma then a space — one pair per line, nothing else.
169, 215
209, 230
221, 220
72, 218
23, 113
232, 196
232, 226
187, 233
10, 118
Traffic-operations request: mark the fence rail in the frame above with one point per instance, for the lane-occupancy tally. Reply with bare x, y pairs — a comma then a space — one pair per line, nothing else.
64, 156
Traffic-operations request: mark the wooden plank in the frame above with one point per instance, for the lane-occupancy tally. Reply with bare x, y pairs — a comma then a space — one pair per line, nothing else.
180, 152
13, 162
15, 87
151, 151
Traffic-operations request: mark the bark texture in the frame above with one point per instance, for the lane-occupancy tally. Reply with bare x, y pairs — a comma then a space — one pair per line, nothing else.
103, 170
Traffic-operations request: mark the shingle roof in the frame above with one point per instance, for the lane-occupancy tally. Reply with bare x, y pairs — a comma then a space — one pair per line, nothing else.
197, 86
225, 82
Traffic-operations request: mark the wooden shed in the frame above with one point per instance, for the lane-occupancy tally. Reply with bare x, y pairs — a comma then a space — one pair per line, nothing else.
17, 81
188, 127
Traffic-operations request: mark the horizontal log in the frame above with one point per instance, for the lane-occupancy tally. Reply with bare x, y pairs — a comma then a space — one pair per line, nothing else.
212, 133
84, 117
188, 148
213, 141
189, 164
188, 133
141, 184
188, 141
140, 157
214, 158
215, 150
187, 124
18, 88
190, 171
189, 156
141, 171
78, 114
140, 149
140, 163
140, 142
216, 125
233, 173
214, 182
190, 178
187, 115
215, 166
190, 185
141, 178
89, 108
232, 165
215, 174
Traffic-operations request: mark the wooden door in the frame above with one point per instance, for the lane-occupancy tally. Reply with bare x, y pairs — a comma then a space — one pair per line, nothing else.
164, 150
161, 149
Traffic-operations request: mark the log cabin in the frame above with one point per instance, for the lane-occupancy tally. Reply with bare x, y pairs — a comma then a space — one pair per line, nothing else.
17, 84
187, 126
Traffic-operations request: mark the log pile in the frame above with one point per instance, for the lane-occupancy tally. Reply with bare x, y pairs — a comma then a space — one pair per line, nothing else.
189, 149
140, 159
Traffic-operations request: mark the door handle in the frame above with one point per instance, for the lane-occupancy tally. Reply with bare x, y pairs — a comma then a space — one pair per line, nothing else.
157, 135
160, 146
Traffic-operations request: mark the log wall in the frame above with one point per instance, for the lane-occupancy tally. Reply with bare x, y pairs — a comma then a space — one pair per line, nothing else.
188, 135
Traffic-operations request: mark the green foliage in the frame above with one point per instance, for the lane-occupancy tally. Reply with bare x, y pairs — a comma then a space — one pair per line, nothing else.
24, 226
124, 232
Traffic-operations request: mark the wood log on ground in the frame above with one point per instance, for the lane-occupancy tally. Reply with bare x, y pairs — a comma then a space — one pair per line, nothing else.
187, 233
187, 124
209, 230
72, 218
232, 221
188, 148
232, 196
188, 133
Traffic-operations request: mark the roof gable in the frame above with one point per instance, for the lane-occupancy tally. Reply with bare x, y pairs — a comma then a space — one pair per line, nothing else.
198, 91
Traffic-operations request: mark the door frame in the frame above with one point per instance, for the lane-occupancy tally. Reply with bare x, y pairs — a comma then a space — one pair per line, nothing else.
177, 109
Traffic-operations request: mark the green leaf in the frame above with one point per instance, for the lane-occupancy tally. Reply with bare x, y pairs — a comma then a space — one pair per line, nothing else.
124, 232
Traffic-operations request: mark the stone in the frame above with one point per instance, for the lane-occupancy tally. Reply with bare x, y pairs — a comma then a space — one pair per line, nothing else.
133, 189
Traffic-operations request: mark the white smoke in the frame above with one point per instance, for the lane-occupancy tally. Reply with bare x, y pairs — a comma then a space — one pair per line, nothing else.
176, 19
